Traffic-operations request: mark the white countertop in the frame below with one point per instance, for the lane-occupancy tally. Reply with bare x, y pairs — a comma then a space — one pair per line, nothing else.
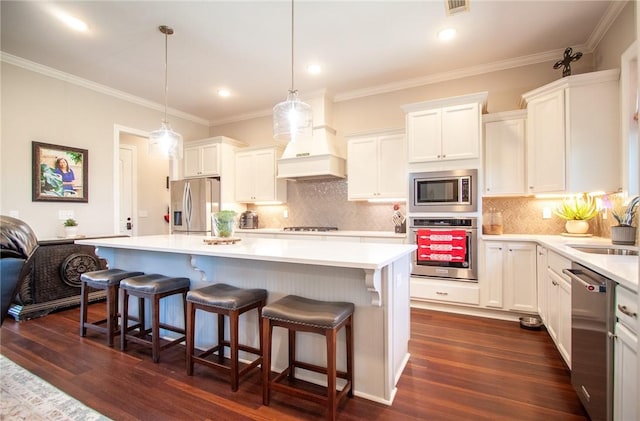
338, 254
622, 269
338, 233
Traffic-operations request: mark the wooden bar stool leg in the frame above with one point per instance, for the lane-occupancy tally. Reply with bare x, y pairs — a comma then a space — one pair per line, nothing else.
331, 373
349, 340
292, 355
220, 338
84, 303
233, 347
155, 328
191, 330
124, 329
112, 311
266, 361
141, 316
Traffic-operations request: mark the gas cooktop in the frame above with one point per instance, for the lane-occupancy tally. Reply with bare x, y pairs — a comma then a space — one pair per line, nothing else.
319, 229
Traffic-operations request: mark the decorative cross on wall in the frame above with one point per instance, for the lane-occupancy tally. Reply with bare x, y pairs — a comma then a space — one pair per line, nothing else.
566, 61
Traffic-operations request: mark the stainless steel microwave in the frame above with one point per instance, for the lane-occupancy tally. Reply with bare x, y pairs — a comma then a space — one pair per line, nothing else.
444, 191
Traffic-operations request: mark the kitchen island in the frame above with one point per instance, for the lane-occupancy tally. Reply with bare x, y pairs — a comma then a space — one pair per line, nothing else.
375, 277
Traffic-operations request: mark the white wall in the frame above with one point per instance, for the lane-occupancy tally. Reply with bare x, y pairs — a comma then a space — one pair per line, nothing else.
36, 107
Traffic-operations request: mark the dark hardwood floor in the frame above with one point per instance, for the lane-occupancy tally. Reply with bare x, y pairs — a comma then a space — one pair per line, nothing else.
461, 368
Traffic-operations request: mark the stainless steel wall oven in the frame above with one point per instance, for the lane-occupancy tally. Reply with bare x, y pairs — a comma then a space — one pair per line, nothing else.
447, 247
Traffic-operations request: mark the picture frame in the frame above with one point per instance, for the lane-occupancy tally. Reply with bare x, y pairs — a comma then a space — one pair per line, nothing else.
52, 180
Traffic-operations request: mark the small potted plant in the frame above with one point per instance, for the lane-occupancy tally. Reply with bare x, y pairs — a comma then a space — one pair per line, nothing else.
224, 223
70, 227
577, 211
624, 232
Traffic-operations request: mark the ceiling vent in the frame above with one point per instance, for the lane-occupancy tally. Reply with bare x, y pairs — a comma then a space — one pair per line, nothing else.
456, 6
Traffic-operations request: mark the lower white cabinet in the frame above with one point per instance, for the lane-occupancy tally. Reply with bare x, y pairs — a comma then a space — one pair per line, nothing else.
625, 358
558, 301
541, 275
429, 289
510, 276
625, 379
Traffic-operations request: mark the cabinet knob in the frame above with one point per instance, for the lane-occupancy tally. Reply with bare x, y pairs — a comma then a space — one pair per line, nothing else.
530, 187
444, 156
438, 156
442, 293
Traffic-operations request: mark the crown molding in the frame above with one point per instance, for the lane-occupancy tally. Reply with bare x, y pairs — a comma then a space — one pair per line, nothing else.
610, 15
75, 80
455, 74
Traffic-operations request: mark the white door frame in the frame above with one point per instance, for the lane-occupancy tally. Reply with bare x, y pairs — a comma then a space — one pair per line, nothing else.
134, 189
173, 171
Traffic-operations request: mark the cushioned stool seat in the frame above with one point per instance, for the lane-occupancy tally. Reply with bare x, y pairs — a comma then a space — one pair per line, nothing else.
224, 300
152, 287
299, 314
109, 280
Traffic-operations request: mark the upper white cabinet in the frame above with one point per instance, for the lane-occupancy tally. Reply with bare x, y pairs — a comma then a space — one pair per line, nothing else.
444, 129
573, 134
504, 153
213, 157
207, 157
255, 176
377, 166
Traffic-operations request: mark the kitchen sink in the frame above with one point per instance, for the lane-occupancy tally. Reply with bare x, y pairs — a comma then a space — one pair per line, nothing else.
618, 251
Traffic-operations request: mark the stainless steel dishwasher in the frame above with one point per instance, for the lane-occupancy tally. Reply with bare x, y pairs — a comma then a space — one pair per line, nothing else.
592, 323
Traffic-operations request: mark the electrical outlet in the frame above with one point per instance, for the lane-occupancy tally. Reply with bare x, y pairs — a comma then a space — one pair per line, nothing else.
546, 212
14, 214
285, 213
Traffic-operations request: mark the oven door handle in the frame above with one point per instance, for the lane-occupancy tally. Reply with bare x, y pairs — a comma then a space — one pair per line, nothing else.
574, 274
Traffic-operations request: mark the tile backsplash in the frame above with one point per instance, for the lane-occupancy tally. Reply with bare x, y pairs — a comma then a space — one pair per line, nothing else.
324, 203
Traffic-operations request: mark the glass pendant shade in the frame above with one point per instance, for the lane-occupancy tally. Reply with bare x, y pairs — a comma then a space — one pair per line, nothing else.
165, 143
292, 119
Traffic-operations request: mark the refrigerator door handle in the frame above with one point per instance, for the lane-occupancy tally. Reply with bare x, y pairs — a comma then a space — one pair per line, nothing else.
187, 204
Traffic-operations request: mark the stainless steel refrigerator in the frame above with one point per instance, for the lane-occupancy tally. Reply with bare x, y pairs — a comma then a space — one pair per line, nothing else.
193, 203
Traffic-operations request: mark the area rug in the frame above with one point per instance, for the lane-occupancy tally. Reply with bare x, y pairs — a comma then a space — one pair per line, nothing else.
24, 396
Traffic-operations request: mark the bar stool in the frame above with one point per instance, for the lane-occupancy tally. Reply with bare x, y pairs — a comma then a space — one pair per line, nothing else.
224, 300
299, 314
152, 287
108, 280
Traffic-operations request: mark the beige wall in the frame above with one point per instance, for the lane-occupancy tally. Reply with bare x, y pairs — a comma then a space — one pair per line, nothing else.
618, 38
36, 107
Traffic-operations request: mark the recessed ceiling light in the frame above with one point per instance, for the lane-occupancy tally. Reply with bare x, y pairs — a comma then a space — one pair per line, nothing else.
71, 21
447, 34
314, 69
224, 93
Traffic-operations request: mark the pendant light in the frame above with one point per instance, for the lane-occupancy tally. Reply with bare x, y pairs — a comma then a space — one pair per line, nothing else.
165, 142
292, 118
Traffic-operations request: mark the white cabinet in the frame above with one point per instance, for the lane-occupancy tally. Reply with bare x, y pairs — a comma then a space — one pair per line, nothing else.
256, 176
573, 141
504, 153
443, 290
377, 167
201, 160
510, 276
559, 304
541, 277
213, 157
209, 157
625, 381
444, 129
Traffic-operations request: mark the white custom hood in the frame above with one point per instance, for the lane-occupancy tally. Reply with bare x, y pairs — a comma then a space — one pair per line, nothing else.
319, 157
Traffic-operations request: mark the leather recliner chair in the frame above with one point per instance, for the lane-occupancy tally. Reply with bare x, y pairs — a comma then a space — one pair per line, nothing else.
17, 245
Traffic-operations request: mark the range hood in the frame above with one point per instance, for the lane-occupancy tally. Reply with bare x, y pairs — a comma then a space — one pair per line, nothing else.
319, 157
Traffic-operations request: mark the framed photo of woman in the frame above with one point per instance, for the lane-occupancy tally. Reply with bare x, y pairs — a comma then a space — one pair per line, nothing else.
60, 173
